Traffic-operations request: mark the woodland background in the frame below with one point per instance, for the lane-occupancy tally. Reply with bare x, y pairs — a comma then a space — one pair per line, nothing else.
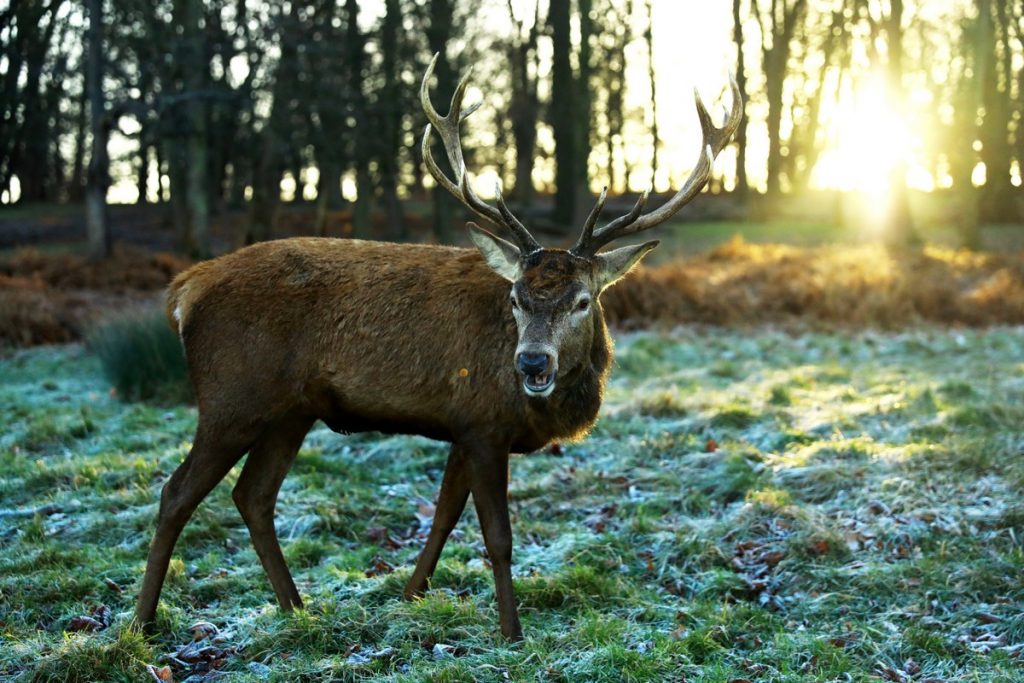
239, 107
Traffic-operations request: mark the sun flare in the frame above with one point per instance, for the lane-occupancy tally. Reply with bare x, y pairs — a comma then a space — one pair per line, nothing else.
871, 138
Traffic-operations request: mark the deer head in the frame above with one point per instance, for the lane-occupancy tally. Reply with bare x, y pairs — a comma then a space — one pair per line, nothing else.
554, 292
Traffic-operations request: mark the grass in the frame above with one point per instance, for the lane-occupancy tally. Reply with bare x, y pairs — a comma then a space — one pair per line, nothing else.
142, 357
751, 506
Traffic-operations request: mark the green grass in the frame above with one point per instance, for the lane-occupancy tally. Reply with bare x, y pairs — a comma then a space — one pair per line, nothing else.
817, 508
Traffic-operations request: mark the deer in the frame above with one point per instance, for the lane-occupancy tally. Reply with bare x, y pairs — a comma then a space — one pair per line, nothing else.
496, 350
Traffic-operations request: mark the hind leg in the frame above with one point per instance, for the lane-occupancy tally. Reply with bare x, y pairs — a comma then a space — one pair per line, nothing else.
255, 495
213, 454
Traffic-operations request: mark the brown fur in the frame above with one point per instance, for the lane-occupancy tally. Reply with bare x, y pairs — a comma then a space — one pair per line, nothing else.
369, 336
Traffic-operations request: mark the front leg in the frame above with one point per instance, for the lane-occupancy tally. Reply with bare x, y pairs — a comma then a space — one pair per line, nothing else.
487, 467
450, 503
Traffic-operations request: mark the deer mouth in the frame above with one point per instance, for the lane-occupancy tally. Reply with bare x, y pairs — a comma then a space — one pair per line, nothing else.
539, 385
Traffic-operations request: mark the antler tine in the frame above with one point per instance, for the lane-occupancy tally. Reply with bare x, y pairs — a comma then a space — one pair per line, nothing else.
714, 141
448, 129
588, 227
514, 224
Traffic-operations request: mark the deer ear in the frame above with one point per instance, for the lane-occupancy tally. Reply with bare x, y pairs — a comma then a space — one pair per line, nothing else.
501, 256
613, 265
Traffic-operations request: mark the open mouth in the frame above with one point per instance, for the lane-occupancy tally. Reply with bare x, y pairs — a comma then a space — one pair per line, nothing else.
539, 385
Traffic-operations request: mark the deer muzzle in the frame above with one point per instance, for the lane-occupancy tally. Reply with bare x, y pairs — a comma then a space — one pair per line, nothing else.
538, 369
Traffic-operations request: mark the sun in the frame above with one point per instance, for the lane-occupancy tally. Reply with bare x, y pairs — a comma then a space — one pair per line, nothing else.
871, 138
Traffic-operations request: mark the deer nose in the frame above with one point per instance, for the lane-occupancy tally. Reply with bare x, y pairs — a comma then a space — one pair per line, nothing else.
533, 363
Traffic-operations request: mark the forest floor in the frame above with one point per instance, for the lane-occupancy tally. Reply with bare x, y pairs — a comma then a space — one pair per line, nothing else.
752, 506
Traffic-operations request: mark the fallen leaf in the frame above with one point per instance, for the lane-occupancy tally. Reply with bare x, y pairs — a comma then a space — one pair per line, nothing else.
84, 623
203, 629
162, 674
382, 536
710, 446
97, 620
819, 547
380, 566
441, 651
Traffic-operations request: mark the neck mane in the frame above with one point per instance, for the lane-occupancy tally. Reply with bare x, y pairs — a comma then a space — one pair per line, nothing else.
570, 412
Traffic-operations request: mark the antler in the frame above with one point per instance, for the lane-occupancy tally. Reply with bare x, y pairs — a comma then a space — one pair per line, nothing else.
714, 140
448, 128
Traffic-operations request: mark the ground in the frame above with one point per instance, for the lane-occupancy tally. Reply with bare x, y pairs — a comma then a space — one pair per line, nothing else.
752, 505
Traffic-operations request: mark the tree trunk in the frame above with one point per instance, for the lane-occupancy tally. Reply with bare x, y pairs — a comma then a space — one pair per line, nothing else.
562, 113
525, 105
98, 181
741, 83
900, 230
438, 34
361, 227
355, 57
774, 77
328, 194
998, 200
266, 190
77, 185
392, 119
195, 82
584, 112
655, 139
775, 62
142, 174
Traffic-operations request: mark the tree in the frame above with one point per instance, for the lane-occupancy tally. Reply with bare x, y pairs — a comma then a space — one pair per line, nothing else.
741, 83
778, 23
831, 48
524, 109
439, 32
391, 112
96, 220
355, 57
652, 79
899, 225
569, 111
996, 79
197, 237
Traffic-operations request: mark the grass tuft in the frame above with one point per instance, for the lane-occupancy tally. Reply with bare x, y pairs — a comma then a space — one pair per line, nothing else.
142, 358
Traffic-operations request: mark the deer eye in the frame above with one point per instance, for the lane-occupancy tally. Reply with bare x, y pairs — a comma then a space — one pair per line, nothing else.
583, 304
515, 304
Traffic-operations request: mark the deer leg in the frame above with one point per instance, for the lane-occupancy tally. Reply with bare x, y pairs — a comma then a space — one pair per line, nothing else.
450, 504
210, 458
488, 480
255, 495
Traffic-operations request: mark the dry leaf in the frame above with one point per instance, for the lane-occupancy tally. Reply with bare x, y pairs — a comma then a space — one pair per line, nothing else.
162, 674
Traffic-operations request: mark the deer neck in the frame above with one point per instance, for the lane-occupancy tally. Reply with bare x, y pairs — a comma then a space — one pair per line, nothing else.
571, 410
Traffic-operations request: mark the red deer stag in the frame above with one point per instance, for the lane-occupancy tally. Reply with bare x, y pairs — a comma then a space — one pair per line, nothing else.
498, 354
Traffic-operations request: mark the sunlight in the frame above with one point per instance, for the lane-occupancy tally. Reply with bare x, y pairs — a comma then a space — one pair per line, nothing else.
871, 138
